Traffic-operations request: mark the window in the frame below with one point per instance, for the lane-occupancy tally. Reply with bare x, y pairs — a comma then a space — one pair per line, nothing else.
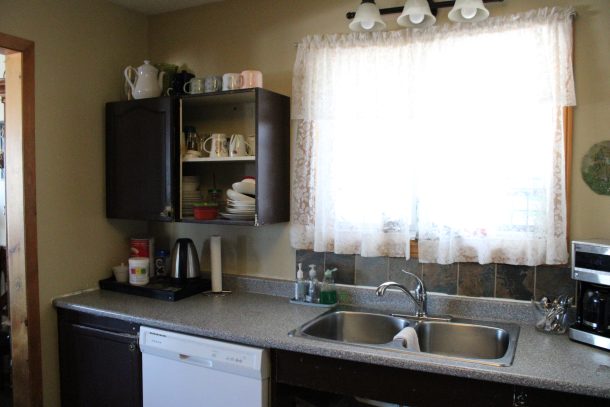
452, 133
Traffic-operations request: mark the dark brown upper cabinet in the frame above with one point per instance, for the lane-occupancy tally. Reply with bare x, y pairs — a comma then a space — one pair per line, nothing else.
149, 187
140, 159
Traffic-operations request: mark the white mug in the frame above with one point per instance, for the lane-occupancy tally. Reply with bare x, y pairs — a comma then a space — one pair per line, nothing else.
195, 85
231, 81
212, 84
251, 140
238, 146
251, 79
218, 147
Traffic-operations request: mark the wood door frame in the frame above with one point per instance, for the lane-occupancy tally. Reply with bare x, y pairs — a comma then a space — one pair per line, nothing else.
22, 242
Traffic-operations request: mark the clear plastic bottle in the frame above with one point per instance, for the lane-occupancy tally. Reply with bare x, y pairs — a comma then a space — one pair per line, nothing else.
300, 286
313, 294
328, 291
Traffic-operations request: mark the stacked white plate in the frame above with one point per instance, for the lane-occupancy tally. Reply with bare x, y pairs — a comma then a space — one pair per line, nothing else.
190, 194
239, 206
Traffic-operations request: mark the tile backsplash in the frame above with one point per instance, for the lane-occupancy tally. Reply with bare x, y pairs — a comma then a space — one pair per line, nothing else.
469, 279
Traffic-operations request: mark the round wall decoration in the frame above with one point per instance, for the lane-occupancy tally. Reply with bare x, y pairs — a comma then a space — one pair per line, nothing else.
596, 168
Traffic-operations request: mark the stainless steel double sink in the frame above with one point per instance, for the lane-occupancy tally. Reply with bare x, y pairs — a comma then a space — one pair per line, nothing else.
491, 343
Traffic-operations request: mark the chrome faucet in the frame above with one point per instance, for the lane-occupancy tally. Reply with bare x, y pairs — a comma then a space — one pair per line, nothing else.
419, 298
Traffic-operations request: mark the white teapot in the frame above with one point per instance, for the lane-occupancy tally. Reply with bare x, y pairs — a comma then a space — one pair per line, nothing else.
148, 82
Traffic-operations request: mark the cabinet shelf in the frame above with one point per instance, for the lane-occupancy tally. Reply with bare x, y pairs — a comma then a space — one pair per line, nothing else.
257, 112
220, 221
221, 159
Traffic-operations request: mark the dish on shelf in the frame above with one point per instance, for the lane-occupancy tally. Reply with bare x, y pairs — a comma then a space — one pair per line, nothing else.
240, 204
236, 196
240, 211
245, 187
192, 197
236, 216
190, 184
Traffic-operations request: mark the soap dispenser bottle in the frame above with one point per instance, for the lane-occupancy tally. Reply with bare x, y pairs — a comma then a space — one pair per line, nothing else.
328, 291
300, 286
313, 294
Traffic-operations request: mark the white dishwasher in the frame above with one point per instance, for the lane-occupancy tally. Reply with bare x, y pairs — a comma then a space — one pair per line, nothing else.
189, 371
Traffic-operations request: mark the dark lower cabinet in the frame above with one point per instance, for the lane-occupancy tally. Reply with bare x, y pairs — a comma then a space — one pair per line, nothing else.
100, 362
310, 380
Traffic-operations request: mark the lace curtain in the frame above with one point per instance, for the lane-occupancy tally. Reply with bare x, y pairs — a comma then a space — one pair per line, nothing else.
453, 133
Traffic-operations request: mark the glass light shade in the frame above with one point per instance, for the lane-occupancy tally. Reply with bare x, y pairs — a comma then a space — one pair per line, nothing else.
416, 13
367, 18
468, 11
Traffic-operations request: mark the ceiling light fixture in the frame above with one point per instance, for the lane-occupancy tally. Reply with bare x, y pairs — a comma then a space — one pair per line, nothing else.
417, 13
367, 18
466, 11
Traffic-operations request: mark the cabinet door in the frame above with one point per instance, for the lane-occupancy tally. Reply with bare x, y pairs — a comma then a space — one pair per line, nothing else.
99, 367
141, 159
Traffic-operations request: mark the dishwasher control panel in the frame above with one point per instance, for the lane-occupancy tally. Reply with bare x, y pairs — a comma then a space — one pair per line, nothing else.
230, 357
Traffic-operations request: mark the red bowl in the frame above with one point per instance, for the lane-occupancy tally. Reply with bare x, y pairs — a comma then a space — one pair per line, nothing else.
205, 212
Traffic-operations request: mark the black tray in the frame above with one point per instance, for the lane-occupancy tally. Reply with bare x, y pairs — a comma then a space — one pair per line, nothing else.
159, 288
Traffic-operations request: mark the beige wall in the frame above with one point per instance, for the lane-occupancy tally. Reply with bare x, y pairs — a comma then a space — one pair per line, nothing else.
241, 34
81, 49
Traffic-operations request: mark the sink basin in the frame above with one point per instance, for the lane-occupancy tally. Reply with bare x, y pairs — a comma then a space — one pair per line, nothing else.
491, 343
462, 340
355, 327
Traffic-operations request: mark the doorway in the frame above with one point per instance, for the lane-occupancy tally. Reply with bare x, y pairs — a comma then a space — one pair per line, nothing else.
21, 236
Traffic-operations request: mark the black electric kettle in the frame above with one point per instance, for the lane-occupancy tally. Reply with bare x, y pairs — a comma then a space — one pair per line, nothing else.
185, 261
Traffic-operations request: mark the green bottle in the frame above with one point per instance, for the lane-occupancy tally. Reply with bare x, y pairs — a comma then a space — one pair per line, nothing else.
328, 291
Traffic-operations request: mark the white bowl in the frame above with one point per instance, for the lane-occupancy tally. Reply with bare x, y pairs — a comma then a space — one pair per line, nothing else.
189, 187
239, 197
245, 187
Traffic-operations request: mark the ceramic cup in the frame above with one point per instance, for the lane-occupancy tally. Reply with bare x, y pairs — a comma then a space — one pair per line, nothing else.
251, 140
238, 146
121, 273
194, 86
231, 81
251, 79
212, 84
218, 147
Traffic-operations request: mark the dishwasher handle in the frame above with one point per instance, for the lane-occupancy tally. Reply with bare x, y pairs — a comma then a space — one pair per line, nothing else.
195, 360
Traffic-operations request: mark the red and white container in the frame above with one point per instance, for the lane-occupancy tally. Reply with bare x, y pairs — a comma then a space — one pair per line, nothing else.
143, 247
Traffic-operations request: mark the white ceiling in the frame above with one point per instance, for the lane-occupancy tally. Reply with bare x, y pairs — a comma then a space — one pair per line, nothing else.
160, 6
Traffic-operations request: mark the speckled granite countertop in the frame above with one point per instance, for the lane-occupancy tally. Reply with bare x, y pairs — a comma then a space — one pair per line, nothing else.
541, 360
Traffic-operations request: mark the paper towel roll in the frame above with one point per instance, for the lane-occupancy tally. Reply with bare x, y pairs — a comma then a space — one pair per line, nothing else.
215, 258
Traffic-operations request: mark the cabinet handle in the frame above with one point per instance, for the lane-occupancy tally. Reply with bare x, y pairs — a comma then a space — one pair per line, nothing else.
132, 347
167, 212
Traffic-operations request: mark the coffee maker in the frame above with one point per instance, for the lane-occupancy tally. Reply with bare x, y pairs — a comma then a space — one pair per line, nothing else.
591, 268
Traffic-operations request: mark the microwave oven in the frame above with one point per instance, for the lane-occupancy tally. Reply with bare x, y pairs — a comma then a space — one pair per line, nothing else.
591, 261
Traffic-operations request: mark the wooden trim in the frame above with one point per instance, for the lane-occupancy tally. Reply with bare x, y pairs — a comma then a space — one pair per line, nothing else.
568, 129
22, 237
414, 253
